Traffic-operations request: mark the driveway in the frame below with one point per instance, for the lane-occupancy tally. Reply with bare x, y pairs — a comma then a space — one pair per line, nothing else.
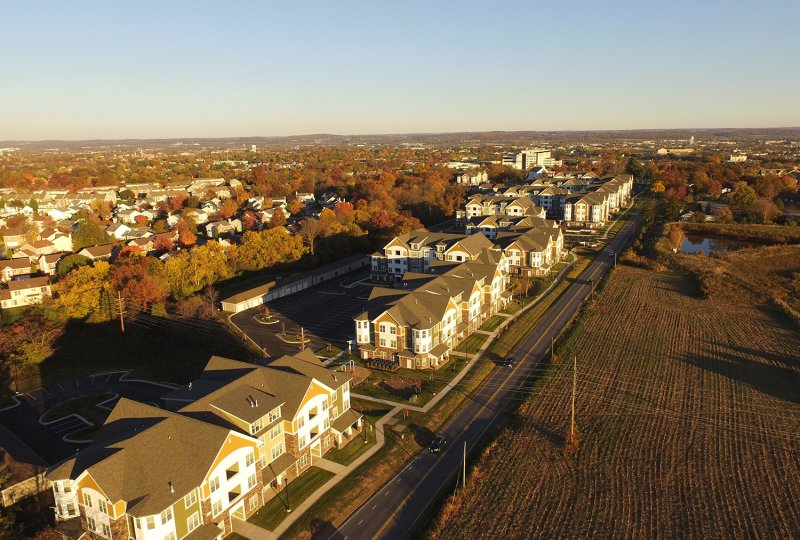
47, 440
325, 312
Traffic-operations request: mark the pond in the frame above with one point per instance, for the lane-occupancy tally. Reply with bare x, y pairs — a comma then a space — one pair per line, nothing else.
707, 244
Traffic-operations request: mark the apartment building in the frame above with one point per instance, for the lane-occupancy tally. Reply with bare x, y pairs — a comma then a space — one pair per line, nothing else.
25, 292
472, 177
534, 251
155, 474
417, 324
417, 250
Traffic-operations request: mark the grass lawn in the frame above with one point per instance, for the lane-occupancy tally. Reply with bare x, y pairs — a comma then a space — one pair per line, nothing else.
442, 377
298, 490
492, 323
324, 352
355, 448
12, 315
472, 343
74, 406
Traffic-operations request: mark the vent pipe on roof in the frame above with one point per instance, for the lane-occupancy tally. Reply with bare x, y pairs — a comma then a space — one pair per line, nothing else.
171, 487
256, 403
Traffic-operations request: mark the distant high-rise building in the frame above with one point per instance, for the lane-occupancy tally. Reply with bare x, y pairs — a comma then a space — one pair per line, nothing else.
527, 159
691, 139
253, 148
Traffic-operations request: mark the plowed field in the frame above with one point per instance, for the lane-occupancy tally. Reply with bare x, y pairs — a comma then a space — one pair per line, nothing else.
690, 415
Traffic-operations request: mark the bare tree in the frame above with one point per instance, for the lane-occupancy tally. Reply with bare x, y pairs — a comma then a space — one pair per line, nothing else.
309, 230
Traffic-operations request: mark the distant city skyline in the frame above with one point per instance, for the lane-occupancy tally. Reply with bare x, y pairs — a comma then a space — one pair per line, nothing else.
101, 70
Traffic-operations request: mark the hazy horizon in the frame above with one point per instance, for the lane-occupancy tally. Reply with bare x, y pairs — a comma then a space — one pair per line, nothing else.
146, 70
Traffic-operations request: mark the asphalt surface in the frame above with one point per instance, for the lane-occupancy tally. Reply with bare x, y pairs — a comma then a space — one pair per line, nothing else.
393, 510
325, 317
47, 440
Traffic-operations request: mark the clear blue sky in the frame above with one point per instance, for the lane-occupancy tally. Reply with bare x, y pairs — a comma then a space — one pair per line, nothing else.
118, 69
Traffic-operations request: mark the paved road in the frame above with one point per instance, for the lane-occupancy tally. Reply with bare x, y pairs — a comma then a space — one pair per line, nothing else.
392, 511
47, 440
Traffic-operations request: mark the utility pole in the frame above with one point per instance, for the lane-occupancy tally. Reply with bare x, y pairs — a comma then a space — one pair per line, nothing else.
302, 339
121, 307
574, 384
464, 484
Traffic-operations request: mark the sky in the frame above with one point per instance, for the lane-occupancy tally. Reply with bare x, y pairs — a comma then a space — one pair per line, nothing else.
163, 69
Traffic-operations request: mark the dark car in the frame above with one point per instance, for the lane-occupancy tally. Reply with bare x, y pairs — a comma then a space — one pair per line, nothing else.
509, 362
438, 443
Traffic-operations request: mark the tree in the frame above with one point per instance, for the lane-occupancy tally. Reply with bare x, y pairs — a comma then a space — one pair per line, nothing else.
160, 226
672, 208
101, 207
278, 219
249, 221
7, 517
127, 195
141, 220
133, 283
228, 208
309, 230
70, 262
698, 217
635, 168
163, 243
178, 201
296, 207
723, 215
88, 233
84, 291
266, 248
185, 236
648, 212
743, 200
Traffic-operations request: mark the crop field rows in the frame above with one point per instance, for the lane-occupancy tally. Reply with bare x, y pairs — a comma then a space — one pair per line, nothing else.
689, 412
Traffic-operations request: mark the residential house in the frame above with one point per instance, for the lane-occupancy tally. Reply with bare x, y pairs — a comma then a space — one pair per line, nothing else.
305, 198
11, 268
537, 172
33, 250
25, 292
48, 264
217, 228
107, 252
117, 230
14, 237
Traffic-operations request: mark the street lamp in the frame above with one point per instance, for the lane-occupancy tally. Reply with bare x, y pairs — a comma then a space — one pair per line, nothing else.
288, 507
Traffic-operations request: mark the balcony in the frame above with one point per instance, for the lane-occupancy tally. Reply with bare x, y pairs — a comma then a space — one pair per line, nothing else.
232, 471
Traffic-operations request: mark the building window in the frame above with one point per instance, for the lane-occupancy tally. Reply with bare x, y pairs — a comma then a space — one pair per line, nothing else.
151, 522
325, 405
382, 328
106, 531
393, 331
92, 525
277, 451
326, 442
302, 442
101, 504
217, 507
194, 521
87, 500
274, 432
253, 503
166, 516
251, 481
171, 536
274, 414
383, 342
301, 421
70, 509
250, 459
214, 483
346, 386
346, 404
262, 439
393, 344
190, 499
303, 460
334, 397
326, 423
138, 523
256, 426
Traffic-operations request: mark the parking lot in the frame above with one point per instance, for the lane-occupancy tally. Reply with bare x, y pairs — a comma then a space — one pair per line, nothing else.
325, 312
46, 440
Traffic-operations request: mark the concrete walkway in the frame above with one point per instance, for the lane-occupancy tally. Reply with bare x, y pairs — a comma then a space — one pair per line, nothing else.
328, 465
253, 532
484, 332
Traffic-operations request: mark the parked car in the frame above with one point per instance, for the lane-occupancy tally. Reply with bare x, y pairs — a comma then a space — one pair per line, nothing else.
509, 362
438, 443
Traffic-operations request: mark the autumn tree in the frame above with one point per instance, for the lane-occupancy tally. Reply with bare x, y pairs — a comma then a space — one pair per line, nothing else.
185, 237
102, 208
249, 221
163, 243
88, 233
309, 230
743, 199
83, 291
266, 248
70, 262
278, 219
228, 208
296, 207
134, 285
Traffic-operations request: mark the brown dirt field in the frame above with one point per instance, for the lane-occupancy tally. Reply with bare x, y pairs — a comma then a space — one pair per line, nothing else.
690, 416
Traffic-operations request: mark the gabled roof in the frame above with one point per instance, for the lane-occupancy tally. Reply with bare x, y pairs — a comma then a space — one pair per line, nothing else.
140, 450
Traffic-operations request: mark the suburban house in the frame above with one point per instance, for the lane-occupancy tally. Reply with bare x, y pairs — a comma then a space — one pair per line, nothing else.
217, 228
11, 268
101, 253
25, 292
292, 284
415, 251
14, 237
117, 230
417, 324
49, 263
33, 250
242, 431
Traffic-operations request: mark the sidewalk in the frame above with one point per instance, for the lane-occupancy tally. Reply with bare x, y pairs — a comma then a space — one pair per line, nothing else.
253, 532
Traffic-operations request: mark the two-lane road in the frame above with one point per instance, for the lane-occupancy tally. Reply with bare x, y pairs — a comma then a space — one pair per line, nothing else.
392, 511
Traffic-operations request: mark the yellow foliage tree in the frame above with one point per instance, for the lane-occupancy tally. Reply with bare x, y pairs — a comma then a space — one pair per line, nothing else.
83, 292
